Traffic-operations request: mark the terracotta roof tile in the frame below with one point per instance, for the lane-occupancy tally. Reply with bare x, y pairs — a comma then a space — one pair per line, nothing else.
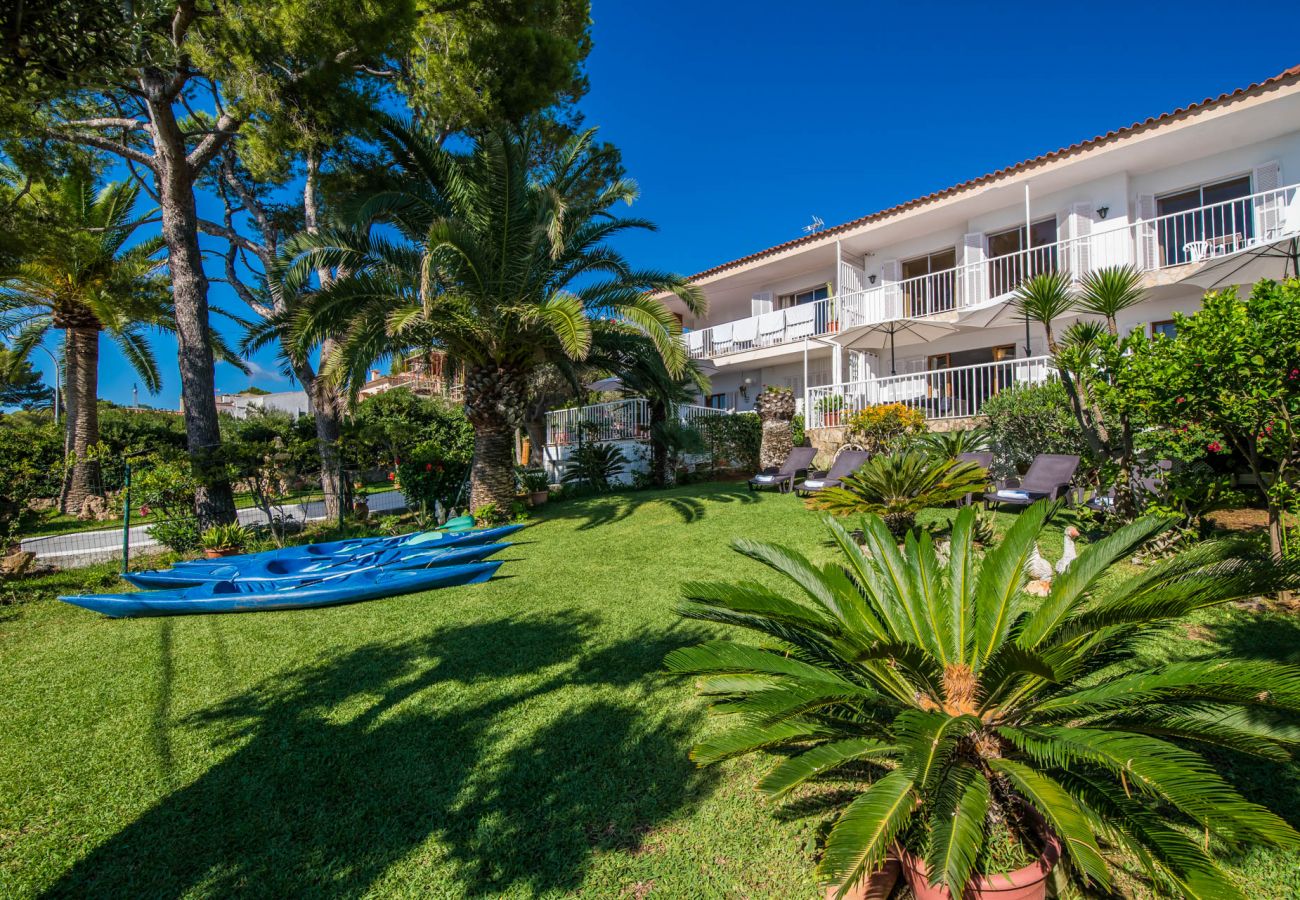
1292, 72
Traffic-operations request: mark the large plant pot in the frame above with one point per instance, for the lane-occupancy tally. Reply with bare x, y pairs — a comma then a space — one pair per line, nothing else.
537, 498
877, 886
1029, 883
218, 554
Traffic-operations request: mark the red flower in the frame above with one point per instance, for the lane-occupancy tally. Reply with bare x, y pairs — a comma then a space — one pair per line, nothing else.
428, 467
1179, 400
144, 510
1214, 447
1269, 428
392, 477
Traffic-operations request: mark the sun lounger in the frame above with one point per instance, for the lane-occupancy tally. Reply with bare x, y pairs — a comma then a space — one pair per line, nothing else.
1049, 478
848, 462
799, 460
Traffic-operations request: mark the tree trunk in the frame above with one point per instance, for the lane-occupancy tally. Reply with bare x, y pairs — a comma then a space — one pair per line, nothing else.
326, 404
214, 502
658, 452
494, 402
81, 421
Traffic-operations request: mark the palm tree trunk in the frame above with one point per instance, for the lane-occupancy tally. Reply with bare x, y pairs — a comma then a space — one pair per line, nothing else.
658, 452
494, 402
81, 421
214, 501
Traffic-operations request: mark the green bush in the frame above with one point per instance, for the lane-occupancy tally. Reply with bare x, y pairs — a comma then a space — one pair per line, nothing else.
594, 467
432, 472
733, 441
163, 490
798, 434
31, 462
1028, 420
387, 426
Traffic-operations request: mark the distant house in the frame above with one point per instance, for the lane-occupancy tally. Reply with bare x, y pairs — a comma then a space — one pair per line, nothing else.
293, 403
430, 374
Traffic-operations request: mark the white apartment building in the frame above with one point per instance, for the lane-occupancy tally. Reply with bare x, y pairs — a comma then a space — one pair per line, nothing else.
911, 304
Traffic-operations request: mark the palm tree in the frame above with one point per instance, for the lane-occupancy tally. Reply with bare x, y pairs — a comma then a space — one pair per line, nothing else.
84, 283
641, 368
1043, 298
897, 486
503, 266
1108, 292
966, 709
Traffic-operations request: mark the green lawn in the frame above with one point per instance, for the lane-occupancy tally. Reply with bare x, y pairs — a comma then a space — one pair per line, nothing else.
508, 739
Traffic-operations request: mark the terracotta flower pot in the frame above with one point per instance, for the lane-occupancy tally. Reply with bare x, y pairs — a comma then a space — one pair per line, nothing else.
211, 553
537, 498
877, 886
1029, 883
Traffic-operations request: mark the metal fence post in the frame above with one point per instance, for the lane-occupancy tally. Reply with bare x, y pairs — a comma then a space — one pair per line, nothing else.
126, 517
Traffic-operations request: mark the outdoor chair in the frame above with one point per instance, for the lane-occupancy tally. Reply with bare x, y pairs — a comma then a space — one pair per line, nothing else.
848, 462
1049, 478
799, 460
984, 460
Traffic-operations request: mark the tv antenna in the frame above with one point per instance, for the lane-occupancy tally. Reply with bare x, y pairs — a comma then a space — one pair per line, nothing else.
815, 226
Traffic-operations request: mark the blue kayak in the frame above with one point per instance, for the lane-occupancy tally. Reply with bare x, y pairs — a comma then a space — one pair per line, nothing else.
252, 596
298, 570
418, 542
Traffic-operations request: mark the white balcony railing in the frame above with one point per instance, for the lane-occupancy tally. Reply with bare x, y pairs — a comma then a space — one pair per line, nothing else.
939, 394
1173, 239
619, 420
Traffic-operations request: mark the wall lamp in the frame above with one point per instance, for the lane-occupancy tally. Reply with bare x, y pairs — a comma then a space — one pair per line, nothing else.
1102, 210
871, 278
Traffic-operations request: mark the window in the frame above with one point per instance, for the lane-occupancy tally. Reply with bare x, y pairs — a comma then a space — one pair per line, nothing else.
1011, 260
1205, 221
929, 283
1167, 328
809, 296
716, 401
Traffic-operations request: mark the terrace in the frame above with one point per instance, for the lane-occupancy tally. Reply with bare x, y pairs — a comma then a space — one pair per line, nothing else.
1191, 237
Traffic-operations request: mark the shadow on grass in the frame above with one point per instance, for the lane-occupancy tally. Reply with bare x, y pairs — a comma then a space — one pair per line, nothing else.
690, 502
343, 768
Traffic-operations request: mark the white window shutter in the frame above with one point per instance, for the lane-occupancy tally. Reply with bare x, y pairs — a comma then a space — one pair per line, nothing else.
974, 283
761, 303
1266, 180
1080, 236
891, 299
1148, 247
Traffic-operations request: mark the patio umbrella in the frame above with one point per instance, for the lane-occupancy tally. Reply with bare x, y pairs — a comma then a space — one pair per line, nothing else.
916, 329
1275, 260
612, 383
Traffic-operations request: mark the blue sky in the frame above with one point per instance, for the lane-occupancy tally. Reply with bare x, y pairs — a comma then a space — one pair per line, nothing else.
741, 121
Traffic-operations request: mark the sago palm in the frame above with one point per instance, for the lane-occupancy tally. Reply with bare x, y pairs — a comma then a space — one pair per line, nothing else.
85, 282
1108, 292
500, 264
975, 704
898, 486
1043, 298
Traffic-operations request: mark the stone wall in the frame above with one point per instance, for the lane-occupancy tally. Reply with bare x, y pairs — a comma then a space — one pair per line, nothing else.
828, 440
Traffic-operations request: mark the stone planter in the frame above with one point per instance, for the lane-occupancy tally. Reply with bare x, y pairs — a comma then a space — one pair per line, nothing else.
877, 886
1029, 883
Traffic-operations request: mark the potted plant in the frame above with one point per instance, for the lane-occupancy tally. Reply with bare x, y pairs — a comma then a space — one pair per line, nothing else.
225, 540
536, 485
978, 720
830, 407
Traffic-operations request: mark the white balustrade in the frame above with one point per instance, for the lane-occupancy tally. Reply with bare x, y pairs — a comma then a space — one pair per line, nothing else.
939, 394
619, 420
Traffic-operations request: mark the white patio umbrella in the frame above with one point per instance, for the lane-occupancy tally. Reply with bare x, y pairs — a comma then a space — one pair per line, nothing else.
913, 331
1275, 260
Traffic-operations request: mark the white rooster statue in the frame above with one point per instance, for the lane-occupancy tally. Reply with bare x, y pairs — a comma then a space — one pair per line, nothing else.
1069, 553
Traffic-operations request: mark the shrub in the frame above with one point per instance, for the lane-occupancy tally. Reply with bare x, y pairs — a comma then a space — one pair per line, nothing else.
957, 706
594, 467
431, 472
885, 427
734, 441
951, 444
164, 489
31, 462
532, 480
1028, 420
386, 426
226, 537
898, 486
798, 430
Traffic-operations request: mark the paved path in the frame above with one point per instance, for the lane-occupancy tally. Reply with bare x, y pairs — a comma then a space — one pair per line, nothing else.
82, 547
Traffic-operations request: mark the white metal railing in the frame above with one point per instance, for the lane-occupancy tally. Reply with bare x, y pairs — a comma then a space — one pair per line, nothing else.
1170, 240
619, 420
939, 394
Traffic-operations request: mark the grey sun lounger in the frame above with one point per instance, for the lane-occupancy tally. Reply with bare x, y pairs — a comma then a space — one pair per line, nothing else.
848, 462
1049, 478
799, 460
1145, 487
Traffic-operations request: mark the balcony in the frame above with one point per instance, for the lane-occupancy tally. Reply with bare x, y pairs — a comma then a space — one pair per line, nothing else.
619, 420
955, 393
1182, 238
